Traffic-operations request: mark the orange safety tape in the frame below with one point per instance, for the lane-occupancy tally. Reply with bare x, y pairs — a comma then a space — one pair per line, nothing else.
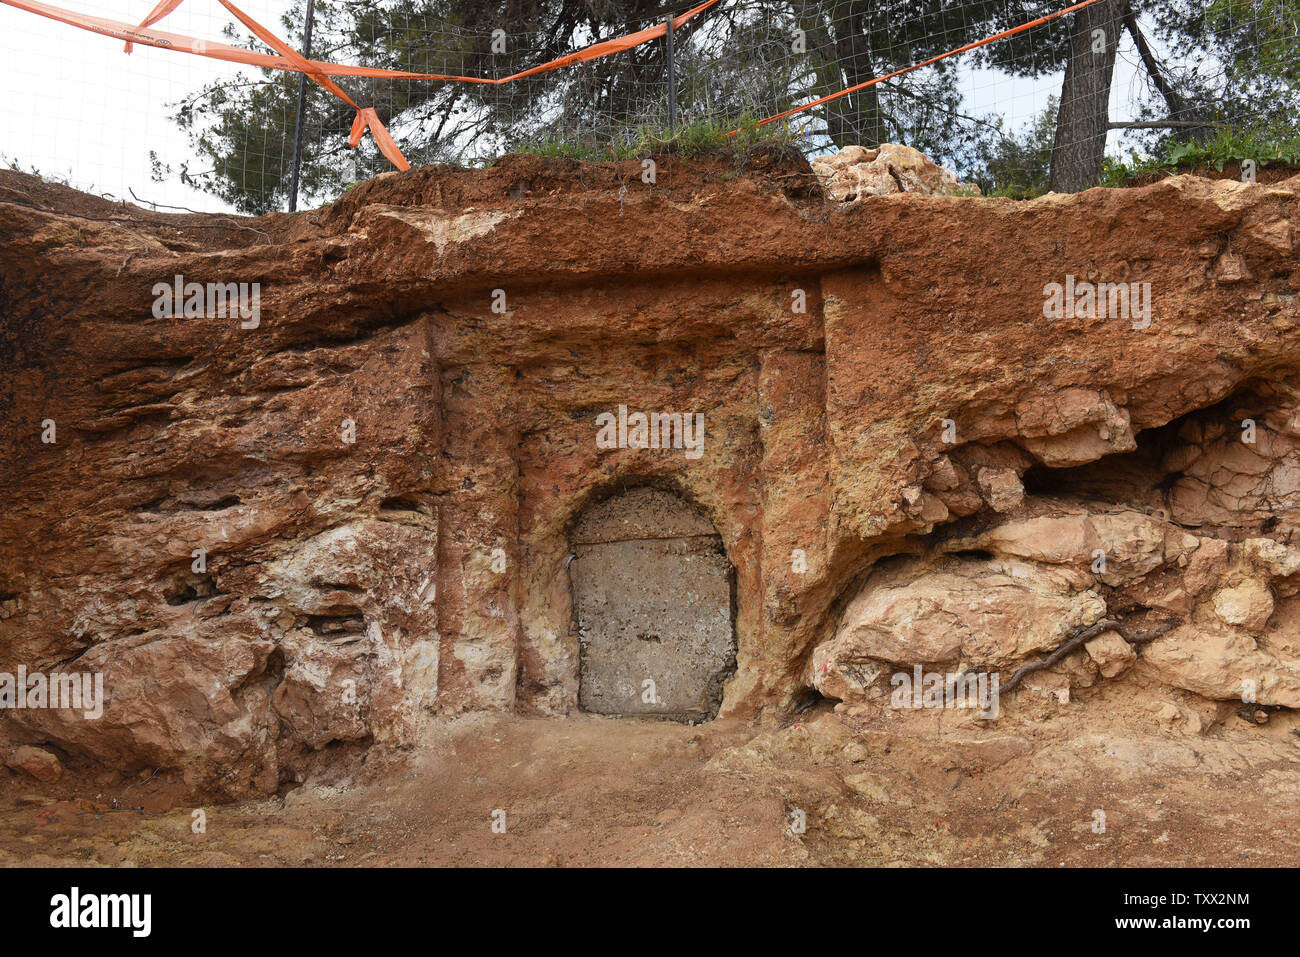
299, 61
365, 117
291, 60
164, 7
383, 139
221, 51
916, 66
155, 38
605, 47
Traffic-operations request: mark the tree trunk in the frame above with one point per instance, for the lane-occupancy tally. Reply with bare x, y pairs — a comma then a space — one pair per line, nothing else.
858, 112
839, 61
1180, 108
1083, 114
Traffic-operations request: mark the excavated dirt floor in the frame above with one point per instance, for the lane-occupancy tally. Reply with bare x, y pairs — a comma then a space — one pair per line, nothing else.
600, 791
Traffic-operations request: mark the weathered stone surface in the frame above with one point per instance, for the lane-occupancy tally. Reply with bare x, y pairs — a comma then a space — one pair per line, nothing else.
39, 763
361, 644
1274, 558
979, 615
856, 172
384, 473
1206, 565
1074, 426
1240, 469
1001, 488
1103, 543
930, 613
1224, 664
652, 598
1248, 604
1111, 653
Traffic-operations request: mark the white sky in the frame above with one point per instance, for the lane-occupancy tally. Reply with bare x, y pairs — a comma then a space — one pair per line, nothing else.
75, 107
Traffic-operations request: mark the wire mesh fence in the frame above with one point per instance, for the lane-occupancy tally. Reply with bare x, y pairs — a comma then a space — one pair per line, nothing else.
1054, 104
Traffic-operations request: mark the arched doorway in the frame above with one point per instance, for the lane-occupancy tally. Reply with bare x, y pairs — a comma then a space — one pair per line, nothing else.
652, 592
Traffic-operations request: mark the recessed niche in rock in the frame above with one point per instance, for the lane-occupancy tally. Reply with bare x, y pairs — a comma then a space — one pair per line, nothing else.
652, 593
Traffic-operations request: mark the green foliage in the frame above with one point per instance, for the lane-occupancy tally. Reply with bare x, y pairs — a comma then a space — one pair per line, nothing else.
735, 59
699, 138
734, 62
1017, 167
1257, 87
1261, 34
1227, 146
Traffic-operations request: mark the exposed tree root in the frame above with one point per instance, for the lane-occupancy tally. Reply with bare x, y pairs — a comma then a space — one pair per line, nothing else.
1077, 639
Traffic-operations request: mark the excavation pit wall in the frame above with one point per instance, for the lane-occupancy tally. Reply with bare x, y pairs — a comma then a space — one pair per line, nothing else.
385, 474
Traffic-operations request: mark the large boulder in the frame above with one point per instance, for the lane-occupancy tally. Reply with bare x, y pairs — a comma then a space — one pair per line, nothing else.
856, 172
958, 614
1225, 664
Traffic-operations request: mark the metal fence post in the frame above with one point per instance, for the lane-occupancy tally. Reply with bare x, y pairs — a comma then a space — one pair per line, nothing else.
302, 105
672, 74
